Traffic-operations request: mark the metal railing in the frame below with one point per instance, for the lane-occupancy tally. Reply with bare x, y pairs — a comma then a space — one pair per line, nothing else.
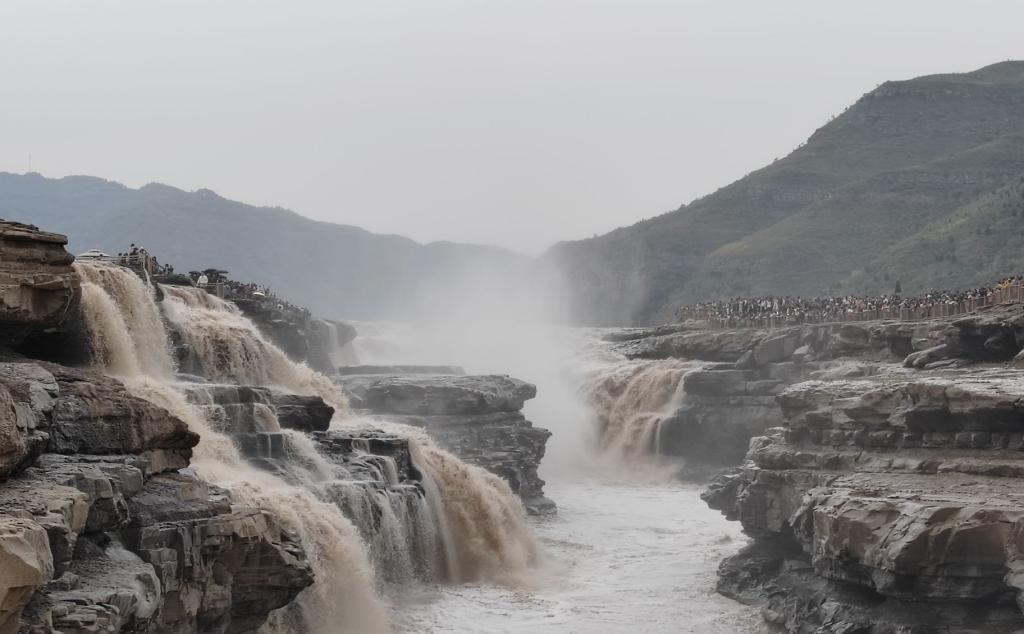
1005, 295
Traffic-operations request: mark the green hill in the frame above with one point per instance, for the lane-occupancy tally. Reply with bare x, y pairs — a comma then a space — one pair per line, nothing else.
904, 157
976, 245
336, 270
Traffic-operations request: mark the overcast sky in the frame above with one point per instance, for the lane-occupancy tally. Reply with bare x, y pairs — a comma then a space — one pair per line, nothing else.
515, 122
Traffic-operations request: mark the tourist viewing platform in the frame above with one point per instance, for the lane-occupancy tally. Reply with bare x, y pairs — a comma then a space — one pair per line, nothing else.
775, 311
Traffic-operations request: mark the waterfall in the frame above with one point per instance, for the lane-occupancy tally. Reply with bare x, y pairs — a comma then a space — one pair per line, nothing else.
632, 400
343, 599
465, 524
339, 354
127, 333
227, 346
480, 523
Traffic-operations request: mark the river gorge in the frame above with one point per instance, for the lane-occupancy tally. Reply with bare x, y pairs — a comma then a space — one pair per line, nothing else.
176, 462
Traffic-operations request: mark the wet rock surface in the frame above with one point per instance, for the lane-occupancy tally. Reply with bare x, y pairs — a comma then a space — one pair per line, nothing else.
101, 531
477, 418
106, 526
304, 338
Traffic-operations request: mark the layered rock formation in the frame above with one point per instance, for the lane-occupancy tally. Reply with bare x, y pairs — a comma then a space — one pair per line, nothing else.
478, 418
901, 490
882, 473
106, 534
38, 289
100, 529
303, 337
882, 481
731, 398
107, 526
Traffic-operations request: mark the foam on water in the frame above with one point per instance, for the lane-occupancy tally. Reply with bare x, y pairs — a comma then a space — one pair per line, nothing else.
633, 558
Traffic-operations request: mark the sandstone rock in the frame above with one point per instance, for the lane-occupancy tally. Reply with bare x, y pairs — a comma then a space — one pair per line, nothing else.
27, 394
25, 565
107, 589
220, 568
897, 490
305, 413
777, 348
426, 395
38, 289
400, 369
95, 414
504, 443
925, 357
61, 511
475, 417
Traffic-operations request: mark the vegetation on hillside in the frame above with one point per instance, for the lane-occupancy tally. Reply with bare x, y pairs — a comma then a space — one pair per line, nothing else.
906, 155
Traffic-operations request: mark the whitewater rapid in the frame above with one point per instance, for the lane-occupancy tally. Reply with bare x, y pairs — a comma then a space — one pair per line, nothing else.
628, 558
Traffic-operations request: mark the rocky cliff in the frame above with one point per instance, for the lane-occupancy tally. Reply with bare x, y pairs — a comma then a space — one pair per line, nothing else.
478, 418
106, 522
37, 287
882, 469
100, 528
106, 532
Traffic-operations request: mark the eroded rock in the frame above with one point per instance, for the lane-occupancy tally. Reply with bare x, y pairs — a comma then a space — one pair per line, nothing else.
475, 417
38, 289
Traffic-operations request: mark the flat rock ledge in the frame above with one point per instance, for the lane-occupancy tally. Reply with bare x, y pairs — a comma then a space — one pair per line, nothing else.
477, 418
731, 398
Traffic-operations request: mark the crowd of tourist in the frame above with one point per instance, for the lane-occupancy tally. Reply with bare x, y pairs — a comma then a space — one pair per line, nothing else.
217, 282
139, 257
775, 309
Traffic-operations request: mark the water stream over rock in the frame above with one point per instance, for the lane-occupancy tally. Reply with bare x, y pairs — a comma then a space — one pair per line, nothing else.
459, 524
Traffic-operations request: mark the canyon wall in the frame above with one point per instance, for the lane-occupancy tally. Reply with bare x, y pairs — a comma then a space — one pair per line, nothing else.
224, 487
881, 467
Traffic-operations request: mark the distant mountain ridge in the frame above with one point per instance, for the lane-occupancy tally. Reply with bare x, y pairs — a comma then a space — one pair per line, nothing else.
336, 270
838, 214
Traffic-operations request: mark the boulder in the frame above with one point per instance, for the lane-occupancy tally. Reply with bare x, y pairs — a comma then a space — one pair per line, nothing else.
26, 564
27, 394
95, 414
777, 348
220, 567
305, 413
926, 357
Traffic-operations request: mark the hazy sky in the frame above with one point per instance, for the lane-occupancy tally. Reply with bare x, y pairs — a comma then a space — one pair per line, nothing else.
514, 122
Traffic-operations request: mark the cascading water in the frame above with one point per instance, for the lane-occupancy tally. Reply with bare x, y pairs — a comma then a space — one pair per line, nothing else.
479, 522
128, 335
226, 346
338, 354
343, 599
466, 525
483, 524
632, 400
